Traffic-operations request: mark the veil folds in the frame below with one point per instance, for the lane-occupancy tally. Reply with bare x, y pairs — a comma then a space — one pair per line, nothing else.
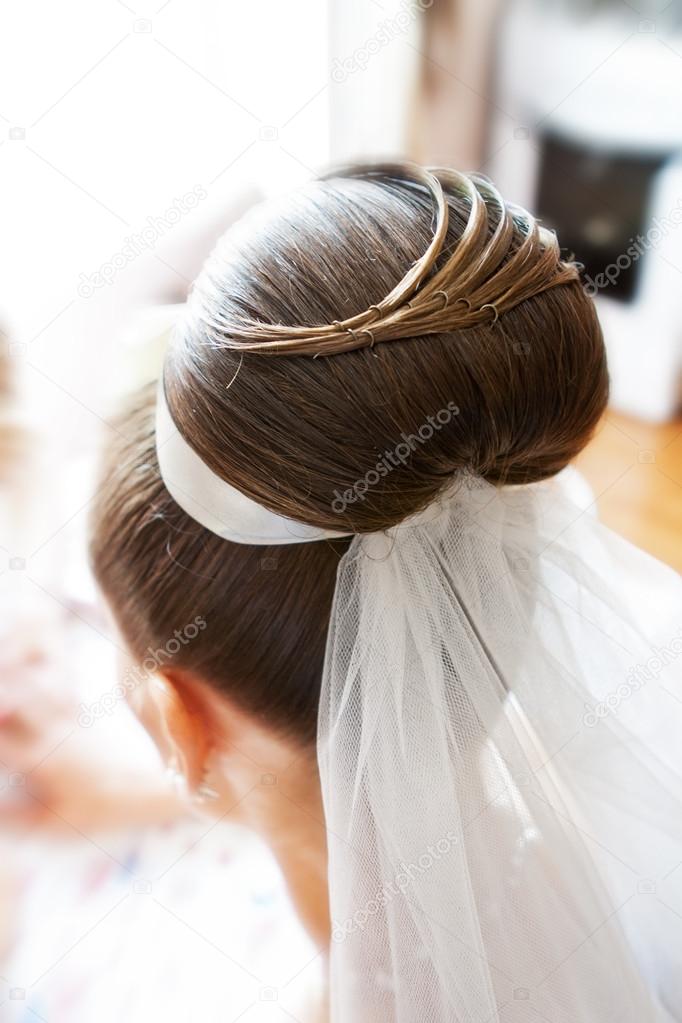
500, 748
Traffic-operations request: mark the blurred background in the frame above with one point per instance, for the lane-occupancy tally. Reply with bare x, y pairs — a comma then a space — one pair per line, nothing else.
131, 136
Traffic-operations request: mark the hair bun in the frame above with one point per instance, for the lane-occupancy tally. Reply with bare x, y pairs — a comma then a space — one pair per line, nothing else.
482, 316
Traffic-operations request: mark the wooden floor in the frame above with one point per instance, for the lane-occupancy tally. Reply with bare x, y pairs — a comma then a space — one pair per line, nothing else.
635, 469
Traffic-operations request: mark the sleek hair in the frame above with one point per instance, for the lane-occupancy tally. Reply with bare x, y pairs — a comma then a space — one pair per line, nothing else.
488, 360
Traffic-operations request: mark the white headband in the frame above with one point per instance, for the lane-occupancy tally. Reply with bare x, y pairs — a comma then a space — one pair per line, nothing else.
212, 502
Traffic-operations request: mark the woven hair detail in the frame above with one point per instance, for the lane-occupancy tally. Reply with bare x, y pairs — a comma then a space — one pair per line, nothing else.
480, 280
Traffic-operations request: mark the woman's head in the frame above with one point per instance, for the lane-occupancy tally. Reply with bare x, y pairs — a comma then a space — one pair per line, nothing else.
507, 380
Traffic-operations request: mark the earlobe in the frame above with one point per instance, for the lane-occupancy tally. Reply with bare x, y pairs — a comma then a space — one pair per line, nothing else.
173, 719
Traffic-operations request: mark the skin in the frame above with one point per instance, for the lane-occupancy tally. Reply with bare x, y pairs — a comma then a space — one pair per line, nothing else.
260, 779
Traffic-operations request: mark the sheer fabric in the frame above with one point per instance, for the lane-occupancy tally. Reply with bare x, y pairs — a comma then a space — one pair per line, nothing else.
500, 748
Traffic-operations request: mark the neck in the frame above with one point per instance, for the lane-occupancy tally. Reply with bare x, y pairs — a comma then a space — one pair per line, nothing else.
277, 788
271, 784
294, 828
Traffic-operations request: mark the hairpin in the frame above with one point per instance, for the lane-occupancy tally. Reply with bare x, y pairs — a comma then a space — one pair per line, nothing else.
489, 305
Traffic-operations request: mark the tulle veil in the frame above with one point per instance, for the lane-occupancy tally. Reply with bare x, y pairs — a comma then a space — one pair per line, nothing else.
500, 747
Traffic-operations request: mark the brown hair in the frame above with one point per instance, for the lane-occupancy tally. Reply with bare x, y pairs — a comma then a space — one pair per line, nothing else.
422, 326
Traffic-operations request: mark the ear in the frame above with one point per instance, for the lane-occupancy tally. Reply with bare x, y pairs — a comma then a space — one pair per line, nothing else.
177, 723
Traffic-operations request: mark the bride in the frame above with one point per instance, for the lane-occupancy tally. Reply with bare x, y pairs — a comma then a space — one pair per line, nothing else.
429, 677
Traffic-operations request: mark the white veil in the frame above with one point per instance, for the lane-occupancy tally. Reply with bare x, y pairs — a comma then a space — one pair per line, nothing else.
500, 747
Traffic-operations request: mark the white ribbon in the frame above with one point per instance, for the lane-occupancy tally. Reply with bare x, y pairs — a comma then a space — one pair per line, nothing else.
212, 502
